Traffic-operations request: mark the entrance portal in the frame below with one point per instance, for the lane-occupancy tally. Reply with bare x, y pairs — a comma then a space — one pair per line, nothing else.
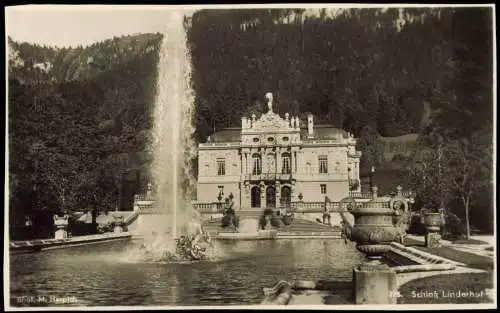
255, 201
286, 196
271, 197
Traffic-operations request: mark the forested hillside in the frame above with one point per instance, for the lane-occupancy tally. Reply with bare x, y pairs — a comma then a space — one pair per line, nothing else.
79, 118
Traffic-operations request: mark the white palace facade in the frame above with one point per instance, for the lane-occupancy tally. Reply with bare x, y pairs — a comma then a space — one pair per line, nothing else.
271, 161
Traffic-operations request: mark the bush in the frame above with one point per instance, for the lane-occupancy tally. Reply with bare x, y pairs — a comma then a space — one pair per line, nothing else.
453, 229
398, 158
287, 219
275, 220
106, 228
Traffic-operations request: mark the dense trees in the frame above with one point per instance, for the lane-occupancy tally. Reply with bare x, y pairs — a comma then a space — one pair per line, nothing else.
76, 115
73, 126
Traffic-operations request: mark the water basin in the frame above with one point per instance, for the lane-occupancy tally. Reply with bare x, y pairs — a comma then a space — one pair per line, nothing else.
97, 275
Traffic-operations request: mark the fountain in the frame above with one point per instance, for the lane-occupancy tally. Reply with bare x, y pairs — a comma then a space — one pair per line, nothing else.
176, 233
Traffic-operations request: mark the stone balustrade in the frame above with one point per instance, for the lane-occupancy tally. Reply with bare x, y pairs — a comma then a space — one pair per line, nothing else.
301, 206
209, 207
144, 197
268, 176
360, 194
376, 204
368, 194
220, 145
408, 194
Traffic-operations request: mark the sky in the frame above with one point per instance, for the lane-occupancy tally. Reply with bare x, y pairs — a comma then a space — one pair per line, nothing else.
73, 25
64, 26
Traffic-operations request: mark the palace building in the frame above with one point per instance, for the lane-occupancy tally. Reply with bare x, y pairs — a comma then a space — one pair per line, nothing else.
272, 161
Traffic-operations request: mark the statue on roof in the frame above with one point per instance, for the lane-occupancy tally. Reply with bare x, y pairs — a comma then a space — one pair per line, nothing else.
269, 97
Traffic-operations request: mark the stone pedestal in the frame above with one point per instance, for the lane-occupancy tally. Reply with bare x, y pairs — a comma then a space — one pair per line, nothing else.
61, 226
118, 229
61, 234
432, 240
374, 284
268, 223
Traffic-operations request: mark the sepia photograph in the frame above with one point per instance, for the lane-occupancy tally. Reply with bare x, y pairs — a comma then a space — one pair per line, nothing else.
265, 156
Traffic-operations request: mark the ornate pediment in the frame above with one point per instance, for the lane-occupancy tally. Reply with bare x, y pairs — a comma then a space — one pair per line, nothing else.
270, 121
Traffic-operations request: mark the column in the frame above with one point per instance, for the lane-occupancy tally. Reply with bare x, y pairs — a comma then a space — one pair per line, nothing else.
241, 163
295, 160
262, 195
357, 171
277, 186
278, 161
246, 164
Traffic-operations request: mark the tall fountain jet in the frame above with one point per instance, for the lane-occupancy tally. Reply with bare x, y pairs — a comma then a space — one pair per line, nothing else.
174, 147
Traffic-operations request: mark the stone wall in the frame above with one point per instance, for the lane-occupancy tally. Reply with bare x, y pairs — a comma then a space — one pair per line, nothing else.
311, 190
335, 218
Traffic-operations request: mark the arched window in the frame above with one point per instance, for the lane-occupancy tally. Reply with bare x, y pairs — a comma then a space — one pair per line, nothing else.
257, 164
286, 196
255, 199
286, 167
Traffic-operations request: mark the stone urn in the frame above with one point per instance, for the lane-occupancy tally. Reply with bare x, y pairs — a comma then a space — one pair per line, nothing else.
433, 221
373, 231
119, 224
61, 226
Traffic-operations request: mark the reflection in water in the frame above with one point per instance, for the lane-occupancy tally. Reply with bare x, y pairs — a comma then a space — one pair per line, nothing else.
95, 275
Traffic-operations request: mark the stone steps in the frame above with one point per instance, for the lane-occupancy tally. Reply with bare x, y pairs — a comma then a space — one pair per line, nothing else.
296, 227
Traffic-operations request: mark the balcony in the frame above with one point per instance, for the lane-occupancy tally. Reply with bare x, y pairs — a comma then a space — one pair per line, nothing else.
268, 177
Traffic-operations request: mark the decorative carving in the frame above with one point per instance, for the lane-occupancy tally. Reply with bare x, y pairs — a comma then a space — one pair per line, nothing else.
271, 121
61, 222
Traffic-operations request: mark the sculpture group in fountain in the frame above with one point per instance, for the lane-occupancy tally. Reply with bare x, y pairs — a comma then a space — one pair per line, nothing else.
229, 218
194, 244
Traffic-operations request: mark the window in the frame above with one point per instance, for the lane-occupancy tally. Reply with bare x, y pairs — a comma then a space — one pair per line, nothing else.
221, 167
256, 139
323, 189
337, 167
323, 164
286, 163
257, 164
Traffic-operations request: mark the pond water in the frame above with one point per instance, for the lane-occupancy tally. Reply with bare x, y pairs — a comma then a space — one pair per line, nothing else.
96, 275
